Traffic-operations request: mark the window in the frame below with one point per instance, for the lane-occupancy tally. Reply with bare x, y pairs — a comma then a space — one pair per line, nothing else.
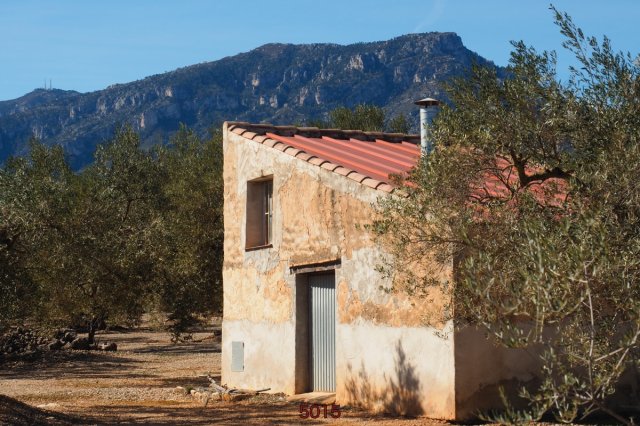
259, 213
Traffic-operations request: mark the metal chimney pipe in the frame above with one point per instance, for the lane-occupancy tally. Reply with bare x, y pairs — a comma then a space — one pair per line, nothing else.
428, 110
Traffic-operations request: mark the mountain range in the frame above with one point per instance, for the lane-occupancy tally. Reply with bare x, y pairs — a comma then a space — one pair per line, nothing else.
275, 83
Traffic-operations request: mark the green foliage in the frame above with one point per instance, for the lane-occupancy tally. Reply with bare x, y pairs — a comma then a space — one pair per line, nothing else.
85, 247
135, 229
190, 235
511, 415
368, 118
399, 124
20, 185
532, 191
363, 117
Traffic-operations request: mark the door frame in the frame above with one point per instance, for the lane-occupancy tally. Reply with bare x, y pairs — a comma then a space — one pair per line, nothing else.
302, 317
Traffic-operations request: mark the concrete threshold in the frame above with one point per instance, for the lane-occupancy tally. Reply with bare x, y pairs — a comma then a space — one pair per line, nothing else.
314, 398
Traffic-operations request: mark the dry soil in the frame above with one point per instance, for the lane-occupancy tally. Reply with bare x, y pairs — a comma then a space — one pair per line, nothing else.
137, 385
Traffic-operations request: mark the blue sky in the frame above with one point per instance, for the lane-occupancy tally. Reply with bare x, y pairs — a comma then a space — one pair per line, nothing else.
88, 45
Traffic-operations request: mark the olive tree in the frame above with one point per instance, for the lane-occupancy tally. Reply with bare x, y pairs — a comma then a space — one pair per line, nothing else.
188, 235
22, 184
532, 192
136, 230
90, 256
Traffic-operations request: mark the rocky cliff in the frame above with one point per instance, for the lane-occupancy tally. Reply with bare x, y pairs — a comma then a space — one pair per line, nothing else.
277, 83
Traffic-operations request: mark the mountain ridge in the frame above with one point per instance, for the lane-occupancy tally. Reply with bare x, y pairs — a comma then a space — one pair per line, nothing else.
279, 83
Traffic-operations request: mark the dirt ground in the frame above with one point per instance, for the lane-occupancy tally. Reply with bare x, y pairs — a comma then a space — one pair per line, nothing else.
137, 385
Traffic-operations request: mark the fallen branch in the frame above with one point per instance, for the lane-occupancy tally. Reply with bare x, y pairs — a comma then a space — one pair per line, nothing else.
224, 393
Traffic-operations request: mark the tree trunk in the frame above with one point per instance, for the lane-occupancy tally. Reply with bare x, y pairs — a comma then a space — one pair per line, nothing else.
95, 322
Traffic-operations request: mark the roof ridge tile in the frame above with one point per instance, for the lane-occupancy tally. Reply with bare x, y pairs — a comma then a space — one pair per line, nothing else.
303, 156
270, 142
316, 161
330, 166
372, 183
357, 176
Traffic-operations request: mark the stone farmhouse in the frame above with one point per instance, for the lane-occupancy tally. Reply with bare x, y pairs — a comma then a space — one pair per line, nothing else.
304, 306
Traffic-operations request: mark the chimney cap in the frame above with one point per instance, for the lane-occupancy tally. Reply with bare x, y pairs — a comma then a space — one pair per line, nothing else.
427, 102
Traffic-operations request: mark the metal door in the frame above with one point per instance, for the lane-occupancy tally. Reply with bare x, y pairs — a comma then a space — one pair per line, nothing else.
323, 332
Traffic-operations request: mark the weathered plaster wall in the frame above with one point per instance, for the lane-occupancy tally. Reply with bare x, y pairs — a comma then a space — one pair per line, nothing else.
320, 216
482, 367
399, 370
269, 354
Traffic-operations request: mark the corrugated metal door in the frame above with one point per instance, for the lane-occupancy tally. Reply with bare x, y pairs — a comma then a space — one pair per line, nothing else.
323, 332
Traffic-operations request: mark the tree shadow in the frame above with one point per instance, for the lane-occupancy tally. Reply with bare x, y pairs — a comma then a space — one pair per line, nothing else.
190, 382
400, 395
187, 348
81, 365
17, 413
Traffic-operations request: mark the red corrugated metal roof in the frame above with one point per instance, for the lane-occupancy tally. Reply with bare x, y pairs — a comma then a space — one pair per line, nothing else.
358, 155
371, 157
367, 157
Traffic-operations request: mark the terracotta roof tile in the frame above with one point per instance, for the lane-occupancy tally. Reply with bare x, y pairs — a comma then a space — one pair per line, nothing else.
292, 151
303, 156
342, 171
357, 177
329, 166
371, 183
353, 154
281, 146
385, 187
317, 161
269, 142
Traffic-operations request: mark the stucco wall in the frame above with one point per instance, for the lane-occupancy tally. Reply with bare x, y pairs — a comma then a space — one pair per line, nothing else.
386, 347
398, 370
482, 367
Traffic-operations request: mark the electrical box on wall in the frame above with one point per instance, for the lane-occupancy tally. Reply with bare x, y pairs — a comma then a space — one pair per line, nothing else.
237, 356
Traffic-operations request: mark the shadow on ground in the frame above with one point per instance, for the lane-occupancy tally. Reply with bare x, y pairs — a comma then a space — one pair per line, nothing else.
181, 348
172, 382
16, 413
70, 365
